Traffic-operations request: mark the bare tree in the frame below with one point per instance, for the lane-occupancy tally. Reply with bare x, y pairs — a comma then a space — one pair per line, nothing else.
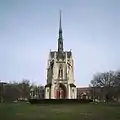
105, 82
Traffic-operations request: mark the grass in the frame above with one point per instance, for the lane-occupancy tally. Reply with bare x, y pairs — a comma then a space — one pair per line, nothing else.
59, 112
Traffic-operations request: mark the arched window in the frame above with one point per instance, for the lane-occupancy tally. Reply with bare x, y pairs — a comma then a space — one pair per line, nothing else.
60, 75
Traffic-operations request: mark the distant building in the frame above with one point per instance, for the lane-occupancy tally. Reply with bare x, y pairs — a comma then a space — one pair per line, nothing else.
85, 92
82, 93
37, 93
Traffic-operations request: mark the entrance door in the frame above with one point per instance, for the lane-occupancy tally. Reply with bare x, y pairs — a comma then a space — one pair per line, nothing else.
60, 92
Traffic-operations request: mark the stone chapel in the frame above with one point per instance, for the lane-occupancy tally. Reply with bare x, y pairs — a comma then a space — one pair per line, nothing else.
60, 73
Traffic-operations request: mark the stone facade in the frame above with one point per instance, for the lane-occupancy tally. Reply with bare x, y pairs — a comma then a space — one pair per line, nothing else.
60, 73
85, 92
37, 93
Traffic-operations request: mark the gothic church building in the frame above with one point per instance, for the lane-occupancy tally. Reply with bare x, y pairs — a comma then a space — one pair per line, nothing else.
60, 73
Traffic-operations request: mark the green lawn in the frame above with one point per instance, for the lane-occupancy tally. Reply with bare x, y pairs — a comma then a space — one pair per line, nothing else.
59, 112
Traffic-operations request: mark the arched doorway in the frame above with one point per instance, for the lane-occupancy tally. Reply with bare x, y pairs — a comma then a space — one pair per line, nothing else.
60, 91
84, 95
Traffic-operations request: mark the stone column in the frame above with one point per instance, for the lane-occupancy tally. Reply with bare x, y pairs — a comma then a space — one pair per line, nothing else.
47, 93
69, 92
66, 57
75, 93
52, 91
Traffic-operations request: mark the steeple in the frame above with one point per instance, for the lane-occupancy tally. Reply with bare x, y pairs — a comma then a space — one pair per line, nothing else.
60, 39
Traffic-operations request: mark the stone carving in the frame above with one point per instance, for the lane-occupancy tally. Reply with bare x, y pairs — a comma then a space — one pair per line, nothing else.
60, 74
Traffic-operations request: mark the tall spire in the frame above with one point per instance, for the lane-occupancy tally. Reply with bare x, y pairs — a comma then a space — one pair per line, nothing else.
60, 39
60, 27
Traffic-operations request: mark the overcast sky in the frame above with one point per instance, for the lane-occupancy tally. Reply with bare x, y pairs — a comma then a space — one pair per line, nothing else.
29, 29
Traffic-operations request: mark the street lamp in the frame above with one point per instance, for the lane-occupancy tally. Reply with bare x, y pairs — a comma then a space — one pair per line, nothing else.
1, 91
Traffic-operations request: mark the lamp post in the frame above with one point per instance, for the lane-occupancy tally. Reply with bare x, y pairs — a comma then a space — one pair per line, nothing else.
93, 93
1, 91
